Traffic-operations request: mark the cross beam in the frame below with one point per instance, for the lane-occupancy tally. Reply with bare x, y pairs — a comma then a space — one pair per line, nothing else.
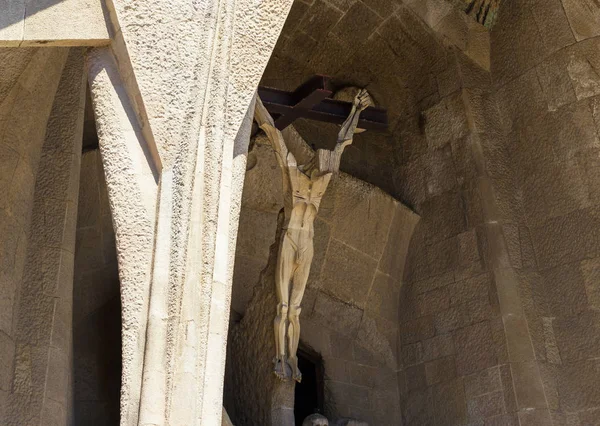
312, 101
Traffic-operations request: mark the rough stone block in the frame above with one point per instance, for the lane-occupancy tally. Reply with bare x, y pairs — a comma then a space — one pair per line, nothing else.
578, 385
384, 298
518, 45
21, 192
555, 81
578, 337
336, 369
449, 403
394, 256
366, 356
347, 394
522, 97
7, 354
438, 347
366, 226
338, 315
432, 302
442, 256
349, 273
589, 417
439, 226
9, 159
34, 324
440, 370
415, 377
590, 269
433, 283
256, 233
468, 248
357, 24
485, 406
561, 292
573, 130
581, 69
440, 172
449, 80
8, 287
566, 239
412, 353
476, 349
341, 347
262, 185
380, 337
483, 382
417, 408
552, 23
320, 18
584, 17
418, 329
408, 36
475, 288
362, 375
555, 190
446, 121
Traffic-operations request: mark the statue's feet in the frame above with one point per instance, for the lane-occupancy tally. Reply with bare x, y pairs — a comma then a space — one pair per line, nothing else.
296, 374
280, 369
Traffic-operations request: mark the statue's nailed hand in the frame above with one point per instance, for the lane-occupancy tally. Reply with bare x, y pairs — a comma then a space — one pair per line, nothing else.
362, 100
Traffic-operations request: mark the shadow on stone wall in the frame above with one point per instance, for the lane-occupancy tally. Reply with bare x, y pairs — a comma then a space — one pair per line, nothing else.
253, 395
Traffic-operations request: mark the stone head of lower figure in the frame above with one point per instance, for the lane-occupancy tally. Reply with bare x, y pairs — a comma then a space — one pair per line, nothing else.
315, 420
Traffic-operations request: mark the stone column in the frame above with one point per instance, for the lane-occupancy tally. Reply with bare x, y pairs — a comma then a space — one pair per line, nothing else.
168, 117
41, 386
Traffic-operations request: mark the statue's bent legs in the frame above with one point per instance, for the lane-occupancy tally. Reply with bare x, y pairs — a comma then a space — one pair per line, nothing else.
300, 279
283, 278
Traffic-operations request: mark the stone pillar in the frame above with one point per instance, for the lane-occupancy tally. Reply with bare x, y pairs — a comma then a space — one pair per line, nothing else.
41, 386
27, 93
168, 118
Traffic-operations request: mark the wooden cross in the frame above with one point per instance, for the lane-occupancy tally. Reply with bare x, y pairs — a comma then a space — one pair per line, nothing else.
312, 100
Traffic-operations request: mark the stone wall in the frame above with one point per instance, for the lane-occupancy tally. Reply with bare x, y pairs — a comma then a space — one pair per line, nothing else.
42, 119
453, 346
350, 309
545, 63
96, 298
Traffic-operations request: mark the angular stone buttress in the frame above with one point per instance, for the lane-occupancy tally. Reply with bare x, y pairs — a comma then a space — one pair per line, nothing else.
173, 98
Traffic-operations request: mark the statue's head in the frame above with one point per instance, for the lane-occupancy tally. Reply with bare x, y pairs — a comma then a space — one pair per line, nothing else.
315, 420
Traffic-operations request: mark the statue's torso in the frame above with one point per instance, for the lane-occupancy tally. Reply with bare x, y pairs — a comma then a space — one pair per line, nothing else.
302, 200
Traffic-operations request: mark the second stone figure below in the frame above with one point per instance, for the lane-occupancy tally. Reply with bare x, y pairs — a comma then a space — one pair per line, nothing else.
303, 188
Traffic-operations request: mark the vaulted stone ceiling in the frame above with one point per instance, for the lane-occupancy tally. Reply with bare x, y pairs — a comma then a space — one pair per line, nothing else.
397, 50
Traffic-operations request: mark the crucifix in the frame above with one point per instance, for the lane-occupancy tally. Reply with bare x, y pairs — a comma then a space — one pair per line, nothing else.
312, 100
306, 176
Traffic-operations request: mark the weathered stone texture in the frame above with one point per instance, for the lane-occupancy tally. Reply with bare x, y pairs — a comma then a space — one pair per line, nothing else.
38, 380
546, 87
350, 309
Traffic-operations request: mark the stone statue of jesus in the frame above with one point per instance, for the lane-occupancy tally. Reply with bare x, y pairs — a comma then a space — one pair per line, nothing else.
303, 189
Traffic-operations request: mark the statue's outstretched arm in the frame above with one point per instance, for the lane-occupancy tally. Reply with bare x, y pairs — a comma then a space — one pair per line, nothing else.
361, 102
266, 122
